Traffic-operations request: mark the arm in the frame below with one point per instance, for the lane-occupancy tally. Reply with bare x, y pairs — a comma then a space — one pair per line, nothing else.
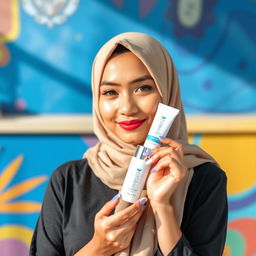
168, 170
204, 227
205, 224
47, 237
165, 218
206, 218
111, 233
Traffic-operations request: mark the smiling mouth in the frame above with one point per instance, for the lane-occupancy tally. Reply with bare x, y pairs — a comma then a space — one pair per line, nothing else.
131, 125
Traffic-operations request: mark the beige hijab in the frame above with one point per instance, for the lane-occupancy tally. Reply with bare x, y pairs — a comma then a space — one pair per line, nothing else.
110, 158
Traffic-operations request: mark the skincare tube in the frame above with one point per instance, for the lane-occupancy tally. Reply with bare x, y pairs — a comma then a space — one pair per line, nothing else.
136, 176
162, 122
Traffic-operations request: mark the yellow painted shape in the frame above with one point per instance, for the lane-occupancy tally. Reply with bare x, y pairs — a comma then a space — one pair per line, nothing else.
236, 154
222, 123
21, 189
16, 232
14, 32
20, 207
9, 172
227, 251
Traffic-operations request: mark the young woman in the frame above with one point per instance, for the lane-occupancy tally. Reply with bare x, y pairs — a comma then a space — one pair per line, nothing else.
184, 210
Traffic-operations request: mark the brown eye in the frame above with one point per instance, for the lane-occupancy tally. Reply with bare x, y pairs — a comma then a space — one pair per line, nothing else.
144, 88
109, 92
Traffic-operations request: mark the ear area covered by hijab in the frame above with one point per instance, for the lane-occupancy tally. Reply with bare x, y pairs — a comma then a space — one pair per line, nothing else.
110, 157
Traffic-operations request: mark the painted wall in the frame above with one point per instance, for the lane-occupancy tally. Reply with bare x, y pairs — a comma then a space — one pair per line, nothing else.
27, 161
47, 48
236, 155
46, 52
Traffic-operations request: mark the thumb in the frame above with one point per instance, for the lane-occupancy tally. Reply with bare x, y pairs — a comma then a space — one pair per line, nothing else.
109, 206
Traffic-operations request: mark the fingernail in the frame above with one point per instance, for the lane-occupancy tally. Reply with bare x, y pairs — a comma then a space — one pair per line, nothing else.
153, 169
148, 152
116, 197
143, 207
162, 137
143, 201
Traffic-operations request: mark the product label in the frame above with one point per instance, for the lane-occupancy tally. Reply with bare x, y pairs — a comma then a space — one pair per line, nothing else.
134, 180
160, 127
137, 178
154, 139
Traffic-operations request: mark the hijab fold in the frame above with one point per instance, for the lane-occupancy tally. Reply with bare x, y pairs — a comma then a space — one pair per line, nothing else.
110, 157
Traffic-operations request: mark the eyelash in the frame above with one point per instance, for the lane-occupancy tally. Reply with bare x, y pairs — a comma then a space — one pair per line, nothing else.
145, 88
109, 92
141, 88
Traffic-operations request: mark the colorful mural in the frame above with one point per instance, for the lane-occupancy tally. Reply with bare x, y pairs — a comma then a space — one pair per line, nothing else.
7, 195
9, 28
24, 178
58, 41
235, 153
50, 12
15, 240
26, 163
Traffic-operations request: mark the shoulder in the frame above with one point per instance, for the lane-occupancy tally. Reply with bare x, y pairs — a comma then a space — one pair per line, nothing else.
210, 173
208, 179
70, 171
207, 189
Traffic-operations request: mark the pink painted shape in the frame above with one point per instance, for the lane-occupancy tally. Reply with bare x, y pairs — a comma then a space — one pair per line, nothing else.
246, 227
5, 17
118, 3
146, 7
13, 247
20, 104
90, 140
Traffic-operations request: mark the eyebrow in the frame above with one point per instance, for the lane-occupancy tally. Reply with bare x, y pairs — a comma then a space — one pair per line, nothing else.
139, 79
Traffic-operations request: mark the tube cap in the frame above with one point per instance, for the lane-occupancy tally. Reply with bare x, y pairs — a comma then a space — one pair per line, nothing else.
141, 152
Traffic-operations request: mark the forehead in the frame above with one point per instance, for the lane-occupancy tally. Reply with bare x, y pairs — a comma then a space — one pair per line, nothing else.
126, 62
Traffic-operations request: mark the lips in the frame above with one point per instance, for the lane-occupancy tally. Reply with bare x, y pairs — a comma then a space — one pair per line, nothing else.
131, 125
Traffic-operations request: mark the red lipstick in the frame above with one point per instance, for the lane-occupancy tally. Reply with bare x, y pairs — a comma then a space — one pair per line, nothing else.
131, 125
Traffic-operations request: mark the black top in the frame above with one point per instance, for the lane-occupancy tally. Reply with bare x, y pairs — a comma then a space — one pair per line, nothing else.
74, 195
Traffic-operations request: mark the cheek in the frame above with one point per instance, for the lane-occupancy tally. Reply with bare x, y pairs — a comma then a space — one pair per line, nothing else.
149, 105
106, 109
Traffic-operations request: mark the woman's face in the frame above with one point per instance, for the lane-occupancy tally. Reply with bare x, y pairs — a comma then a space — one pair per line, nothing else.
128, 98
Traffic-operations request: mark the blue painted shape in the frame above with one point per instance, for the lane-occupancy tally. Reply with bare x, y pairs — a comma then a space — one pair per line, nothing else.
242, 201
52, 73
42, 154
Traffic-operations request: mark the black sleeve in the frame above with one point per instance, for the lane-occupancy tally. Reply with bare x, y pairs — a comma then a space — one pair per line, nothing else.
47, 238
205, 222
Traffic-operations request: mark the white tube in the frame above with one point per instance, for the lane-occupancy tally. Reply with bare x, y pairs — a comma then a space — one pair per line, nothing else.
138, 169
162, 122
136, 176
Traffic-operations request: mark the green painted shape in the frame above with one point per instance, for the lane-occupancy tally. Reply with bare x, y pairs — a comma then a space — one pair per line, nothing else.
236, 242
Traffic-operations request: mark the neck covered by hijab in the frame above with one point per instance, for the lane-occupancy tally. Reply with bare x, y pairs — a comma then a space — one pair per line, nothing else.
110, 157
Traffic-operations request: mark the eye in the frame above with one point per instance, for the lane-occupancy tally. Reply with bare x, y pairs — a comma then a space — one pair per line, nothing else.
144, 88
109, 92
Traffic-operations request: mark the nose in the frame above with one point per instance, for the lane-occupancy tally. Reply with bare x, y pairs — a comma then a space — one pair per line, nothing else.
128, 105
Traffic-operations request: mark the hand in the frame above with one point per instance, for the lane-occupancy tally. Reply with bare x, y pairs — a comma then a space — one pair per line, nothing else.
114, 233
168, 169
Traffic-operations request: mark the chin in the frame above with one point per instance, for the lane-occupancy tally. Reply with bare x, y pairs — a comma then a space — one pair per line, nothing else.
134, 141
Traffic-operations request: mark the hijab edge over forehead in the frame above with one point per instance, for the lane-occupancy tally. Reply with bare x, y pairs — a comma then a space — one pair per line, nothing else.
110, 47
